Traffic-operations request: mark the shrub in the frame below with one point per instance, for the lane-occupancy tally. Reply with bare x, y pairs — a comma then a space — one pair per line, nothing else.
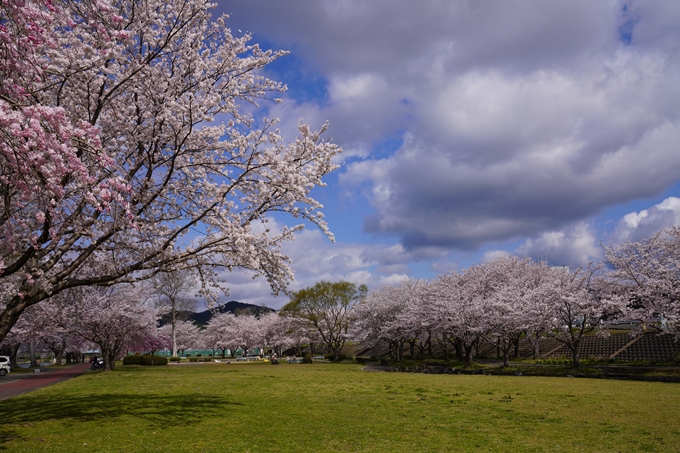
157, 360
361, 359
174, 359
307, 358
330, 357
199, 355
132, 359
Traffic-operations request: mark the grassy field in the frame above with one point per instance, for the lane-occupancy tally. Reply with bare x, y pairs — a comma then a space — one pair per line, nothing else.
338, 407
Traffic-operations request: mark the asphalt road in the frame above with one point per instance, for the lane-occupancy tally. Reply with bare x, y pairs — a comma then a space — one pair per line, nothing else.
18, 384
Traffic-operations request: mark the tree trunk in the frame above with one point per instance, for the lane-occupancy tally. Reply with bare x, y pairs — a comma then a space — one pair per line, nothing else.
504, 345
460, 353
506, 357
444, 348
421, 350
111, 365
174, 334
10, 315
537, 351
468, 355
399, 350
34, 362
576, 349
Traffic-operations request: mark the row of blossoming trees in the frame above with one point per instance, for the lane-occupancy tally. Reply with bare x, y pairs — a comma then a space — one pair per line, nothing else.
510, 297
496, 302
118, 320
112, 321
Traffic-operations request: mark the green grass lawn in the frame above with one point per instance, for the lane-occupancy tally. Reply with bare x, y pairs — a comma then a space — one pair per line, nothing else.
337, 407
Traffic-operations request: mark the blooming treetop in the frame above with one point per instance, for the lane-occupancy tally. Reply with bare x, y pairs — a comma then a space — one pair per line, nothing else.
114, 319
374, 319
649, 272
187, 334
223, 332
497, 301
122, 133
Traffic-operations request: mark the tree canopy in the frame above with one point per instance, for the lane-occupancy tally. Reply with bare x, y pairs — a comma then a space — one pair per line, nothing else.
125, 148
326, 308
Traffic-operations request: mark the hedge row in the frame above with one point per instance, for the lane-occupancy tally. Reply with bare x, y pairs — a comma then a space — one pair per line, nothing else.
144, 360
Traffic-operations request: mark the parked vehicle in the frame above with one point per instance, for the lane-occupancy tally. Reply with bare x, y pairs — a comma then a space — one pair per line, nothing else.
97, 363
5, 365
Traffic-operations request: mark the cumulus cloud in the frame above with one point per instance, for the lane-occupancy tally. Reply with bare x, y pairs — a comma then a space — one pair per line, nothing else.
500, 157
491, 255
517, 119
314, 258
636, 226
575, 245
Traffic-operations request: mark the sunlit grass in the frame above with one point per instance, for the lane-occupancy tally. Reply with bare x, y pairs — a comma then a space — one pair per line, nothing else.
338, 407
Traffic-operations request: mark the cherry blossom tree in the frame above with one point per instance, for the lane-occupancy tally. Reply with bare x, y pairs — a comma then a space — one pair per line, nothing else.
170, 290
187, 335
62, 344
125, 149
580, 301
24, 332
300, 335
648, 274
415, 320
249, 331
378, 318
457, 305
274, 332
115, 319
516, 285
152, 341
222, 332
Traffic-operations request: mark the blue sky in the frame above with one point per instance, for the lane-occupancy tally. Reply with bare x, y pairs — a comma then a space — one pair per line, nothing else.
472, 128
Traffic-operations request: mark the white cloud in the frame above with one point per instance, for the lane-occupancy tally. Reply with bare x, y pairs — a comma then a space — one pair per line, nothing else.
636, 226
315, 258
572, 246
519, 119
491, 255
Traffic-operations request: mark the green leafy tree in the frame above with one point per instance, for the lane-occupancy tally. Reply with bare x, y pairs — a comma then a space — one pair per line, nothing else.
326, 307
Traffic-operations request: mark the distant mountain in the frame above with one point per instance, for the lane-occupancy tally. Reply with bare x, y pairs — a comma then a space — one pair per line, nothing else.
235, 307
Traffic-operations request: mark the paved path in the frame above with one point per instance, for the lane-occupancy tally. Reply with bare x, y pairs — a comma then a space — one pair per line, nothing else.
23, 383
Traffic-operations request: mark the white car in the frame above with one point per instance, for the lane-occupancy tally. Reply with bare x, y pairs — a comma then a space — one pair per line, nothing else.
5, 366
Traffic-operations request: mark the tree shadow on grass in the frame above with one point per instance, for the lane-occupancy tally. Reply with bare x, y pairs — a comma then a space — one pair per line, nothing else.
162, 410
